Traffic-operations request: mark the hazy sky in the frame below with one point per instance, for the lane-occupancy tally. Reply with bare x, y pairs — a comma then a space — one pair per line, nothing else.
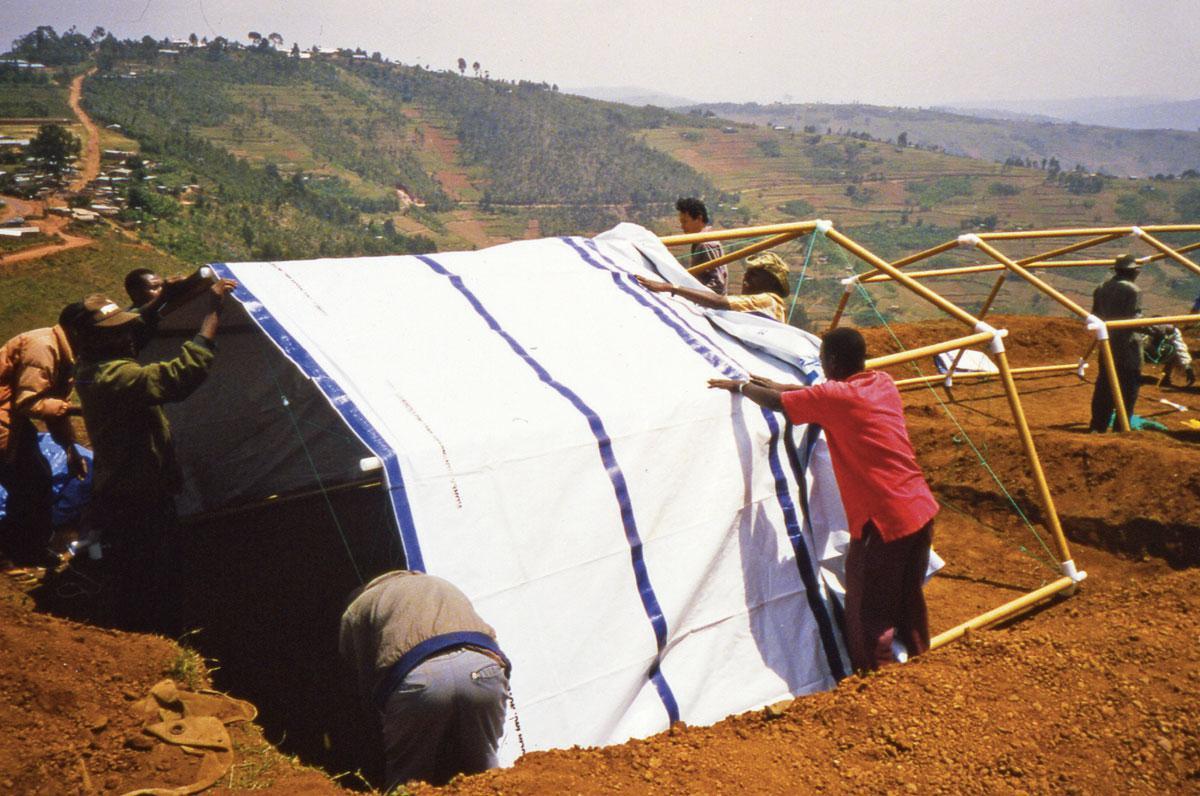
909, 52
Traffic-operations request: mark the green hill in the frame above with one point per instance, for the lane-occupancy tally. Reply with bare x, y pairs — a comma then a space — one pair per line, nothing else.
305, 147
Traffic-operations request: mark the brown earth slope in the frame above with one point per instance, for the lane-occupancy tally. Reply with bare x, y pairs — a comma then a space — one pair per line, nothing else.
1094, 693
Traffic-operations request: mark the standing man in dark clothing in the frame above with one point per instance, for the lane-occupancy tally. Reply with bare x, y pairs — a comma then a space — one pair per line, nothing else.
693, 217
35, 384
136, 474
433, 672
1117, 299
888, 504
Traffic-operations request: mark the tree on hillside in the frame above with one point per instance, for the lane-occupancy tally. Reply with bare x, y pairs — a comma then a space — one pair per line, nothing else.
462, 66
192, 40
54, 146
98, 33
475, 68
254, 36
43, 44
275, 39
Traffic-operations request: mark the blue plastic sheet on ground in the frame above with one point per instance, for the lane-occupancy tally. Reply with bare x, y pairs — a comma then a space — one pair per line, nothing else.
70, 494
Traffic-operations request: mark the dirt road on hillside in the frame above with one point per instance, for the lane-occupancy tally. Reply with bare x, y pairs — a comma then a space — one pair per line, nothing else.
56, 225
50, 226
90, 168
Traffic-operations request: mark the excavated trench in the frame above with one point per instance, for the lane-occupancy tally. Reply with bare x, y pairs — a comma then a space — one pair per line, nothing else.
265, 589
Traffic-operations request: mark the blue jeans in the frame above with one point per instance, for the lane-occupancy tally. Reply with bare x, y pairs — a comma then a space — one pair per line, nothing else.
446, 718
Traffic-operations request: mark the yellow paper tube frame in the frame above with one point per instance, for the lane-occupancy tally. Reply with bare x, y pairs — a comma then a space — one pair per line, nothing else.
982, 334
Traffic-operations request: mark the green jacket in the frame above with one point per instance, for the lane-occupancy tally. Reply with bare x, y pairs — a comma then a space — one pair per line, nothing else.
122, 408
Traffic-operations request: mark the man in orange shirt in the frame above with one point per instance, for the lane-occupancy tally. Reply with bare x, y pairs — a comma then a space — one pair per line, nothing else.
889, 506
35, 384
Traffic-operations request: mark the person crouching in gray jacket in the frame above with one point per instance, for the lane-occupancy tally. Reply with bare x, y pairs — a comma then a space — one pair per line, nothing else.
432, 670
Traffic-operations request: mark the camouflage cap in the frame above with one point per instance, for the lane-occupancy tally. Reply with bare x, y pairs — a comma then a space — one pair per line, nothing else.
773, 266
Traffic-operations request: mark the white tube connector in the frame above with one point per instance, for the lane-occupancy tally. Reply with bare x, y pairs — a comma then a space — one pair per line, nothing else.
948, 382
998, 335
1097, 327
1076, 575
849, 282
823, 226
370, 464
1082, 368
970, 239
1137, 232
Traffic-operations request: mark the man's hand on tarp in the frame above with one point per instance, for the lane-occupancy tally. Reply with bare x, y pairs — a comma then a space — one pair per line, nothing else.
654, 285
778, 386
759, 393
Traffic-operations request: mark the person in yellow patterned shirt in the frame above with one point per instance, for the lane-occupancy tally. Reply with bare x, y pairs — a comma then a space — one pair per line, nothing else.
765, 289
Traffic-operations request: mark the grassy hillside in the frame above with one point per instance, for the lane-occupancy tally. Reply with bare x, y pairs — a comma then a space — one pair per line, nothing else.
32, 293
459, 160
24, 94
1115, 151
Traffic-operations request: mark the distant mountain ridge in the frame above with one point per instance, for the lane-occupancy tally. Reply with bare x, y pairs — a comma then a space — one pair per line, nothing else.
631, 95
1117, 151
1132, 113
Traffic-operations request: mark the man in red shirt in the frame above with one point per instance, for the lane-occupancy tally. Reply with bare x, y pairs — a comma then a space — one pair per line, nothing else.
888, 504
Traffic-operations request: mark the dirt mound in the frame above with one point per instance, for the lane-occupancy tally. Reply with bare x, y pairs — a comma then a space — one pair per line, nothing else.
67, 723
1093, 693
1088, 697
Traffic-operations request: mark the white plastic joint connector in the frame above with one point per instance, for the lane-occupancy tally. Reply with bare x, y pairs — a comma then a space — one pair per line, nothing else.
370, 464
1137, 232
823, 226
1068, 569
849, 282
998, 335
1097, 327
970, 239
1082, 368
948, 382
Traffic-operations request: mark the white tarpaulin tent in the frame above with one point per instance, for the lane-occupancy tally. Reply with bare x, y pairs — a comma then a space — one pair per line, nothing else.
647, 549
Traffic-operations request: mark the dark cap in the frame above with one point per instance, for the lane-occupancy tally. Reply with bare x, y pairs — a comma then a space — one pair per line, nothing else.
1126, 262
101, 312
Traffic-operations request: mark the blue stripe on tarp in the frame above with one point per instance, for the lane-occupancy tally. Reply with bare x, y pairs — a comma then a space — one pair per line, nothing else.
621, 490
345, 407
623, 278
809, 569
661, 307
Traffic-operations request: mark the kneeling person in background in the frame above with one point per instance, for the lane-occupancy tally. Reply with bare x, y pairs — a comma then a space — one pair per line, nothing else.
432, 670
888, 504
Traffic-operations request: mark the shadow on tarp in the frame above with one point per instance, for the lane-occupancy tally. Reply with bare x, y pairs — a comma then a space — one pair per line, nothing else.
266, 588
